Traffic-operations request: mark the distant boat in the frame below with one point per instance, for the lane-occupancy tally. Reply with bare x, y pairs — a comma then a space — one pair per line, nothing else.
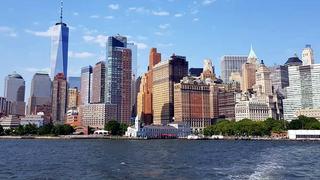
195, 137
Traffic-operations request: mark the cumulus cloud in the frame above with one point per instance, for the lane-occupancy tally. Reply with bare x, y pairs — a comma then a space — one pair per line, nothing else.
164, 26
99, 39
108, 17
47, 33
139, 9
195, 19
75, 13
35, 69
160, 13
8, 31
114, 6
79, 55
208, 2
95, 16
178, 15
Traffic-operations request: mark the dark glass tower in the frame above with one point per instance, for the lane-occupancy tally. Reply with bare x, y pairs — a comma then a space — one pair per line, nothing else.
59, 48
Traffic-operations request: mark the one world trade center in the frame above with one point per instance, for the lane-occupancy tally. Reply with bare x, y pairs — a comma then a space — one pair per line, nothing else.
59, 48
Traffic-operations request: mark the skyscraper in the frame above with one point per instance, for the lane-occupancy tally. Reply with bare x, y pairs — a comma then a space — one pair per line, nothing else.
307, 55
165, 74
73, 98
119, 76
40, 93
59, 48
249, 71
133, 48
98, 83
303, 91
145, 111
263, 80
85, 84
192, 103
59, 98
230, 64
14, 91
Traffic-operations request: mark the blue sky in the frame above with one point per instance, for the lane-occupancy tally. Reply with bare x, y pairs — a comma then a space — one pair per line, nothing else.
197, 29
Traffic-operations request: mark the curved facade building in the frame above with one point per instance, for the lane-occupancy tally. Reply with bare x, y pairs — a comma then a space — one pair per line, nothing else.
14, 91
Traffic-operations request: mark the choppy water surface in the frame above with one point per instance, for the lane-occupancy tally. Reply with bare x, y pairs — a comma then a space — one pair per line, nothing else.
158, 159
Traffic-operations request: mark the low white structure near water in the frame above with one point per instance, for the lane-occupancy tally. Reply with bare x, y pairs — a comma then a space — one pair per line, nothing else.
33, 119
173, 130
304, 134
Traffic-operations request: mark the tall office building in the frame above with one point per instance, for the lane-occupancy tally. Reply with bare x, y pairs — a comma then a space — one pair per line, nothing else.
5, 107
40, 93
145, 111
59, 98
263, 80
85, 84
73, 98
307, 55
249, 71
230, 64
279, 78
192, 103
134, 51
119, 76
98, 83
303, 91
74, 82
195, 72
59, 48
14, 91
165, 75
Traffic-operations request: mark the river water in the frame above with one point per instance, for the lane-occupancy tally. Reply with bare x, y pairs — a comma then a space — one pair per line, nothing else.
158, 159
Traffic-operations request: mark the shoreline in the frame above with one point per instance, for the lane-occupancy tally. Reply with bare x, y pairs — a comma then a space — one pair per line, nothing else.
71, 137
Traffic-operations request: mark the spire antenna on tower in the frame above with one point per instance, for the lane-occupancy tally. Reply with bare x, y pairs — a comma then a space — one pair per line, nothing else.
61, 10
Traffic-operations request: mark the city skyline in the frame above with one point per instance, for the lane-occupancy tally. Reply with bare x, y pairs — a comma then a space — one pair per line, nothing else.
164, 26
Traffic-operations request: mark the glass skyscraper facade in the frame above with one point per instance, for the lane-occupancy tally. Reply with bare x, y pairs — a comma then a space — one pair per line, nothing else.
303, 91
230, 64
40, 92
119, 77
14, 91
59, 49
85, 85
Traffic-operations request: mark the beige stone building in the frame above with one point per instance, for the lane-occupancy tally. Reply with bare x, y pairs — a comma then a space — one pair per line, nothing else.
249, 72
165, 74
97, 115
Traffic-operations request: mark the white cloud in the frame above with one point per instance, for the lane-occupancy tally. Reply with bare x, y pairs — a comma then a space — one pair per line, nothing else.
114, 6
34, 70
178, 15
99, 39
160, 13
79, 55
159, 33
195, 19
139, 9
164, 26
108, 17
75, 13
95, 16
8, 31
208, 2
47, 33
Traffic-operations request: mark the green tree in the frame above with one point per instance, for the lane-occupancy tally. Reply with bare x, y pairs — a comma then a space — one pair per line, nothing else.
45, 129
19, 131
8, 132
1, 131
30, 129
123, 128
113, 127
